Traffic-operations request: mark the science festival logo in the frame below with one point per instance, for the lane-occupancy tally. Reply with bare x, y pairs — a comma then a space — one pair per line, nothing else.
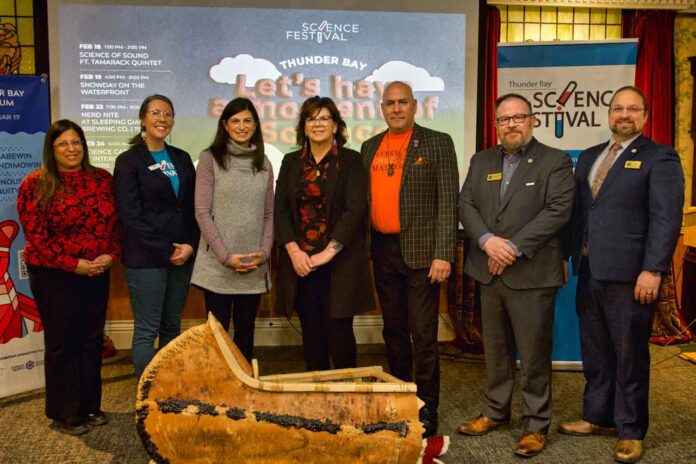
324, 31
571, 108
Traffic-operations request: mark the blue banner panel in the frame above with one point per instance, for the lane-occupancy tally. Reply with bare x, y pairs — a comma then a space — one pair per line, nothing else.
583, 54
24, 119
23, 104
569, 86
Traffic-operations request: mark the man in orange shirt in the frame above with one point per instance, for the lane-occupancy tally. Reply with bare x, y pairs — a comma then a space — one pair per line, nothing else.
413, 195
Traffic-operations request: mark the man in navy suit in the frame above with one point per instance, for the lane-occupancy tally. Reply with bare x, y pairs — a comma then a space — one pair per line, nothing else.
629, 194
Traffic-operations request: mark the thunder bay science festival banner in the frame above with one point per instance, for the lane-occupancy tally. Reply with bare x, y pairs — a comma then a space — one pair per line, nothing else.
24, 119
569, 85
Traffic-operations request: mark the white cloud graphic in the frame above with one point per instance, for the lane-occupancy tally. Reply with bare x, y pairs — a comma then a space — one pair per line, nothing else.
419, 78
254, 69
275, 156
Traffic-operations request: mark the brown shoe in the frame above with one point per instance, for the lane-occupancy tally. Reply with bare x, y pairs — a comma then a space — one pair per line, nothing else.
628, 450
582, 428
478, 426
530, 444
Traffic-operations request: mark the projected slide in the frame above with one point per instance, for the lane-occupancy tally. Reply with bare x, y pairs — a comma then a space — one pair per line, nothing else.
111, 57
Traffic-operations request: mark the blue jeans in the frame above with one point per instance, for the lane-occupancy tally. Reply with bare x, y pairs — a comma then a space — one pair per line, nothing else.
157, 296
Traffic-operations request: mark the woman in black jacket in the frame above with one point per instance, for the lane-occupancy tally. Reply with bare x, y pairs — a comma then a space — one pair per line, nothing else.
154, 185
320, 214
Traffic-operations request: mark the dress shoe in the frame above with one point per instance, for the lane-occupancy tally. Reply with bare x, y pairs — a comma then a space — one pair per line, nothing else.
481, 425
582, 428
97, 418
70, 427
628, 450
530, 444
428, 416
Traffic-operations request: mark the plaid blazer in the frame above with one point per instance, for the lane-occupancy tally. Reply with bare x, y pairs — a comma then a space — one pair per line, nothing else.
428, 196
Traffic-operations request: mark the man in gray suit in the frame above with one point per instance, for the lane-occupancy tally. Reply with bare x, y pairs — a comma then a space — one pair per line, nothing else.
516, 199
412, 194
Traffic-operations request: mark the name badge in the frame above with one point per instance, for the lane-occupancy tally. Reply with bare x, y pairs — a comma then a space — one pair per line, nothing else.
494, 176
632, 164
154, 167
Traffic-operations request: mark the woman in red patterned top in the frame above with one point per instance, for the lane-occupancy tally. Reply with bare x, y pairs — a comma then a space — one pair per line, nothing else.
68, 214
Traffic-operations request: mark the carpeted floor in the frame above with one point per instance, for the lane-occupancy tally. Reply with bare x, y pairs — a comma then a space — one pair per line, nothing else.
27, 438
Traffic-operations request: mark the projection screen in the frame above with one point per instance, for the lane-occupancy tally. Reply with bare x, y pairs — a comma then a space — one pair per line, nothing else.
106, 57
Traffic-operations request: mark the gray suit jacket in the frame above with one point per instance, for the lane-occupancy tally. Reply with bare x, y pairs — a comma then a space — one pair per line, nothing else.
428, 196
537, 204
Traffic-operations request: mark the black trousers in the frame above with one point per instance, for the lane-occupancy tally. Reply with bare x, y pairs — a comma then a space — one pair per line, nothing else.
323, 337
73, 312
410, 311
614, 334
242, 310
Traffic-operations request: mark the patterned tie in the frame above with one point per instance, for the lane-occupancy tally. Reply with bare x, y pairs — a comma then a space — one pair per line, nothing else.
604, 167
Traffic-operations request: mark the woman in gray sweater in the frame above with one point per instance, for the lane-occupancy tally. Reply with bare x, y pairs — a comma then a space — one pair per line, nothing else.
234, 210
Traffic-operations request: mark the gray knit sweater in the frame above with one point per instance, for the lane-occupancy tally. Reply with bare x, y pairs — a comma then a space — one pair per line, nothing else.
234, 210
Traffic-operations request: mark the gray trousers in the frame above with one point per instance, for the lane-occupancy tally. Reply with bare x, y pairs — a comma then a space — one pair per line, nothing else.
518, 321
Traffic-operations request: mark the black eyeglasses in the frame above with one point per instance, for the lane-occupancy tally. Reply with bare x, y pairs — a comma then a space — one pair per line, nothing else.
518, 118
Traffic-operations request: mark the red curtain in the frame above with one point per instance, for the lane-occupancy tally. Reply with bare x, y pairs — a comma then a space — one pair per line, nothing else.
490, 78
655, 32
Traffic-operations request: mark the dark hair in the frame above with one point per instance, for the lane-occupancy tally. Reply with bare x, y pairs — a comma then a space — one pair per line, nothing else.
49, 180
507, 96
313, 105
634, 89
219, 146
138, 139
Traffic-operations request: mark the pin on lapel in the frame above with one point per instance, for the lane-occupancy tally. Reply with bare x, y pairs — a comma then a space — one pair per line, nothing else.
634, 150
415, 143
530, 160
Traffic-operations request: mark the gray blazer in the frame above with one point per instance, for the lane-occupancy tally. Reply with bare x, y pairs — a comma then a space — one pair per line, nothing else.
536, 206
428, 196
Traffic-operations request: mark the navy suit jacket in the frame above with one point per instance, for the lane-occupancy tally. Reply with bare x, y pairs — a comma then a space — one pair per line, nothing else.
153, 217
633, 224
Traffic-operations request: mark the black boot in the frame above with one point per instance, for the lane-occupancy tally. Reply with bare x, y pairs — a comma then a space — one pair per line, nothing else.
428, 416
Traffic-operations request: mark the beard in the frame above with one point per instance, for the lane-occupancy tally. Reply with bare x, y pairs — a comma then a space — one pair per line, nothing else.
512, 144
625, 130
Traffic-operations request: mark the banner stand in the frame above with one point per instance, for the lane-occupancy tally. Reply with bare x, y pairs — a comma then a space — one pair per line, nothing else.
24, 118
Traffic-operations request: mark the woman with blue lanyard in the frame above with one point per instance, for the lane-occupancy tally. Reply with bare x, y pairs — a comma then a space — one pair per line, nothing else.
154, 185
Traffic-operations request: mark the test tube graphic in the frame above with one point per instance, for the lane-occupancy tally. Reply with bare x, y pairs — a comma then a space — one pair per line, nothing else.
558, 124
565, 95
562, 100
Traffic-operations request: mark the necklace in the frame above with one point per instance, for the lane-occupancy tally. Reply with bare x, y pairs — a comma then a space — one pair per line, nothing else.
391, 162
317, 164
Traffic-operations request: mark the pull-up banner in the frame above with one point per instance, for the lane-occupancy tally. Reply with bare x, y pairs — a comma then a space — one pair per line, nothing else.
570, 85
24, 119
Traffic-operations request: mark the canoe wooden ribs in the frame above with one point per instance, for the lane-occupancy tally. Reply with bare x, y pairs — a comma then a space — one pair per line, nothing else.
199, 401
